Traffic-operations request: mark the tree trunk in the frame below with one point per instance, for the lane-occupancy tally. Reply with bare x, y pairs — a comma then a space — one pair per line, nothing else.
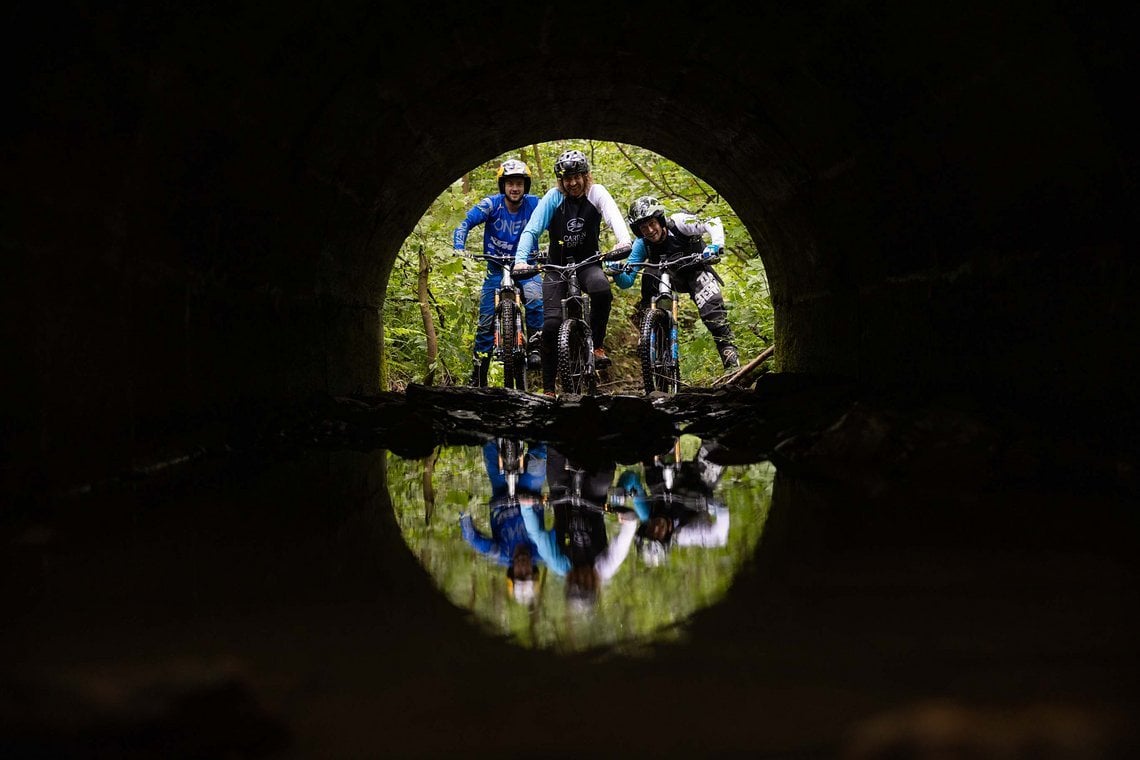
425, 312
537, 169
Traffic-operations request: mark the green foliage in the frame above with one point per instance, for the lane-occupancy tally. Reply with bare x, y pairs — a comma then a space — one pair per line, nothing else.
627, 171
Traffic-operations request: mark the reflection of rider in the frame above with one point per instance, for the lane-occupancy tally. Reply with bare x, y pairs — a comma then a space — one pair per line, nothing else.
509, 543
683, 513
578, 546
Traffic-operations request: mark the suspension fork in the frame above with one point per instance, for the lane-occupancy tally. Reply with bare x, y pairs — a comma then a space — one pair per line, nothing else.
665, 293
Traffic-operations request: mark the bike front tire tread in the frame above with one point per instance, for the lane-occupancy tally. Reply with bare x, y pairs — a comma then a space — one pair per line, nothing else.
575, 360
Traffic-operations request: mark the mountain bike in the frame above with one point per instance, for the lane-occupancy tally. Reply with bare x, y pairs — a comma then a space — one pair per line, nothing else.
510, 347
576, 371
658, 347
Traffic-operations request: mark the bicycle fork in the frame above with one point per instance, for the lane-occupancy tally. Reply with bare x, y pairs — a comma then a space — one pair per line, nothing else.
667, 302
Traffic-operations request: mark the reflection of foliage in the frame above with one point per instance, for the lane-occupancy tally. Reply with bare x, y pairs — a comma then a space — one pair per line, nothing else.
627, 171
639, 603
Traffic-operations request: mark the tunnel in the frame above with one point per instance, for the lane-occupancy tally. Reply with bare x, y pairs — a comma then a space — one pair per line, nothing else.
204, 205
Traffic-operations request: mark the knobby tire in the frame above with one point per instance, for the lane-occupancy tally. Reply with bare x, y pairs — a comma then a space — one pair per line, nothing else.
575, 368
655, 349
512, 345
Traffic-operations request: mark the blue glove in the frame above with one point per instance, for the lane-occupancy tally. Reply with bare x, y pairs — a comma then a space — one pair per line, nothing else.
711, 251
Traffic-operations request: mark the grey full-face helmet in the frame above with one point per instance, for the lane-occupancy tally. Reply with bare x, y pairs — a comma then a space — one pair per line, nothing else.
644, 208
571, 162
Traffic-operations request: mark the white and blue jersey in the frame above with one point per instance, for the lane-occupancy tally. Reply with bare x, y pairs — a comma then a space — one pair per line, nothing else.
578, 231
684, 233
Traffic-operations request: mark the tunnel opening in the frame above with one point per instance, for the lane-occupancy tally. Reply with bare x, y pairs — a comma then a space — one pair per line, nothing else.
432, 297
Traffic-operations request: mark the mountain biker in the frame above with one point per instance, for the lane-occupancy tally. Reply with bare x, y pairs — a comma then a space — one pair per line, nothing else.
662, 238
573, 212
509, 544
504, 216
578, 546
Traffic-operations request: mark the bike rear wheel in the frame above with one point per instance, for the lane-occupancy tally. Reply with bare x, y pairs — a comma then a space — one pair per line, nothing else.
575, 359
511, 345
659, 368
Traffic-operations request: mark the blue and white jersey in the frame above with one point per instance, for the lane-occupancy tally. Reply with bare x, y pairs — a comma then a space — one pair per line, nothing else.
606, 563
576, 231
501, 228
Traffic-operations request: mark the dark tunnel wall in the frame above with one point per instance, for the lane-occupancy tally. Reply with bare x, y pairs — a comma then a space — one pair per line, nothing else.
203, 207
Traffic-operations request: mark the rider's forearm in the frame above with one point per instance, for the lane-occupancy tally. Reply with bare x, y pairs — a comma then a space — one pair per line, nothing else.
716, 231
610, 560
543, 212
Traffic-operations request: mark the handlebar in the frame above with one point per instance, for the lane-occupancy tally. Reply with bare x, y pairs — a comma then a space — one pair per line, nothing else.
683, 261
583, 503
504, 260
673, 264
617, 254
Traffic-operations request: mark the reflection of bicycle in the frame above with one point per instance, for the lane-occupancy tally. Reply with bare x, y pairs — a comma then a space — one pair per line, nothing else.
658, 347
576, 370
574, 498
510, 336
510, 462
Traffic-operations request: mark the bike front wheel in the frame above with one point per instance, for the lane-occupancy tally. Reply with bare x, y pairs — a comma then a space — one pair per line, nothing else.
575, 358
511, 345
659, 367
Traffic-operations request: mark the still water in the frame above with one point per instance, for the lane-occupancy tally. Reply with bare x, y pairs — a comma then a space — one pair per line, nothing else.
555, 555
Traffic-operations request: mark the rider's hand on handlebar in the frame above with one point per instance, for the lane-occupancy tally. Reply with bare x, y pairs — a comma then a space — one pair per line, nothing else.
711, 253
521, 271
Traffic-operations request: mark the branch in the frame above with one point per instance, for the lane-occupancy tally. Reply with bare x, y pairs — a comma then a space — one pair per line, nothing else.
644, 173
737, 378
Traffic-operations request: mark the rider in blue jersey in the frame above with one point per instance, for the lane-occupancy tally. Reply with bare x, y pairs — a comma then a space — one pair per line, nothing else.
503, 215
573, 213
